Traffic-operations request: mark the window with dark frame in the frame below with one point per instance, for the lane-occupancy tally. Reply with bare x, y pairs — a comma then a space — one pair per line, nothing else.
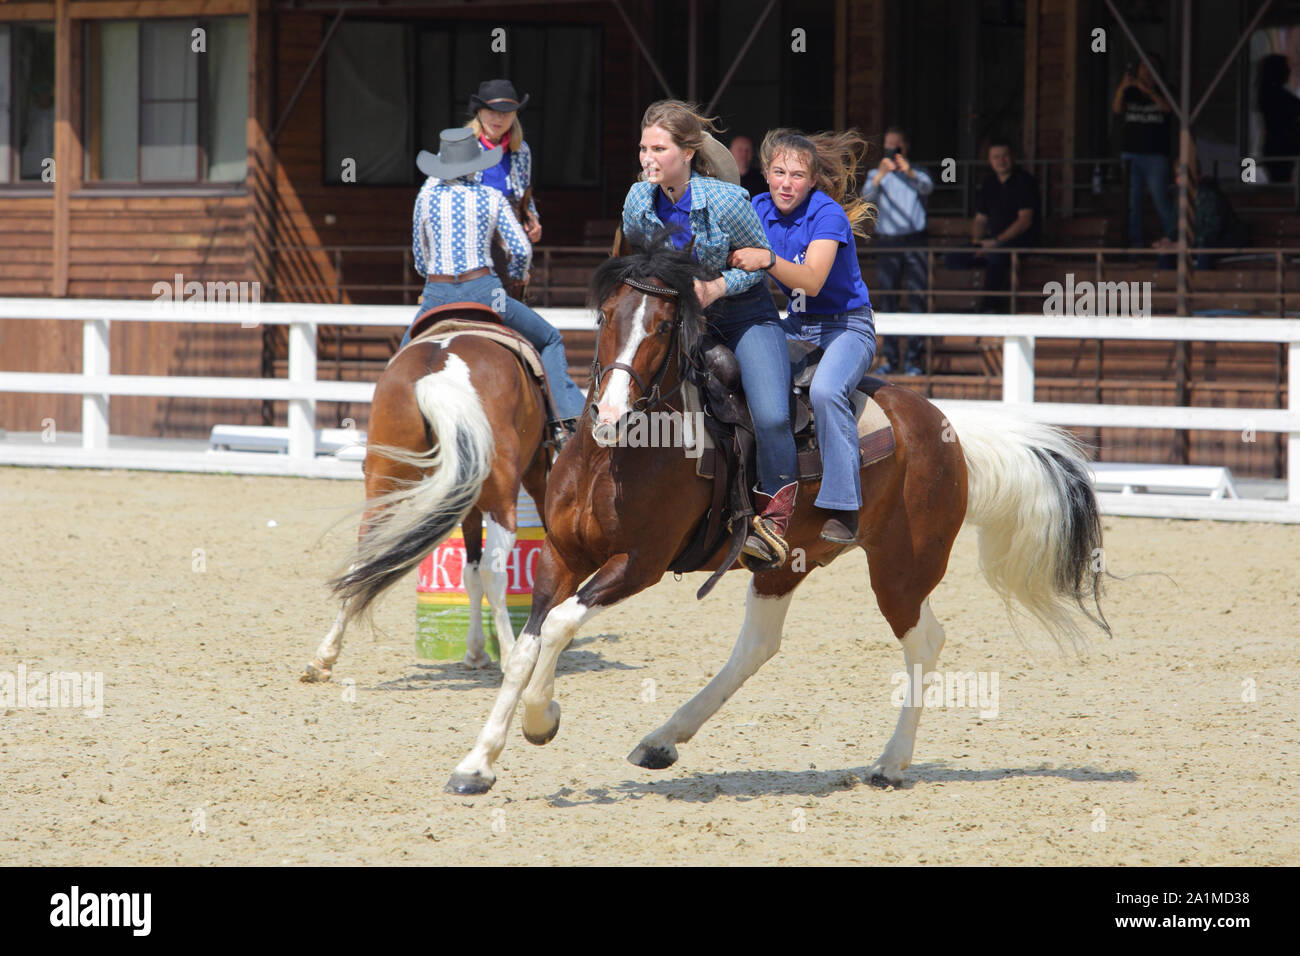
390, 87
158, 111
26, 102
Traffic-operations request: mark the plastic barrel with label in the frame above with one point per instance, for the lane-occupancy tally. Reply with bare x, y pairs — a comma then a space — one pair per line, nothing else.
442, 604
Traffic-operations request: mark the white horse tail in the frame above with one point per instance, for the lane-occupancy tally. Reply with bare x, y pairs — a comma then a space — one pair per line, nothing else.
408, 523
1032, 500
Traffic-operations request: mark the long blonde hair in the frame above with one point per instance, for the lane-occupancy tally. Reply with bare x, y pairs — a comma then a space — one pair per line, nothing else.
832, 160
686, 125
516, 130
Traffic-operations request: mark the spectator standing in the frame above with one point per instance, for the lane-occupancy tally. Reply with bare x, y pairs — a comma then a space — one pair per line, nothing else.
751, 178
1145, 147
899, 191
1006, 214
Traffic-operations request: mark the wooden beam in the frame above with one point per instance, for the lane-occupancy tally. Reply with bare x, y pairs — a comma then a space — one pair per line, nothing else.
63, 148
92, 59
306, 76
26, 11
1070, 79
841, 113
260, 174
74, 173
144, 9
1029, 140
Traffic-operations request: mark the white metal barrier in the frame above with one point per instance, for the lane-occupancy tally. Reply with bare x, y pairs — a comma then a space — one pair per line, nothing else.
302, 390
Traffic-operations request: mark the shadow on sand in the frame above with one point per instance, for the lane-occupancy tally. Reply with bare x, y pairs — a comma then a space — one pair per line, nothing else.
743, 785
454, 675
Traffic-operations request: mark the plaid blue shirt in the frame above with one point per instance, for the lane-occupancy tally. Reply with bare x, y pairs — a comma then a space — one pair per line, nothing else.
722, 220
453, 224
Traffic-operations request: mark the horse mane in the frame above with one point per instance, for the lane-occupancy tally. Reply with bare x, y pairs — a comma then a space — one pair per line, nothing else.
656, 258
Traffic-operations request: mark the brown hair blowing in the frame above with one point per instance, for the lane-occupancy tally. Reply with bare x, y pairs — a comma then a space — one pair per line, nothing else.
832, 160
686, 125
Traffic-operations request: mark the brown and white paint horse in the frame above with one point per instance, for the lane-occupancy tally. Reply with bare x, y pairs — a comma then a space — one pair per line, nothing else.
618, 516
456, 426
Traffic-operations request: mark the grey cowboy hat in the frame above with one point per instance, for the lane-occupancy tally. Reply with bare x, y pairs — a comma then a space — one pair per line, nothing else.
497, 95
458, 154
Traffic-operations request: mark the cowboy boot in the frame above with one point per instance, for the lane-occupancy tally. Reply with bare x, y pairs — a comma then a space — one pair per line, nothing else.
767, 539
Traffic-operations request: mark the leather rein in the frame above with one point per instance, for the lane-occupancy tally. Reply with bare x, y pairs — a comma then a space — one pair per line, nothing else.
650, 398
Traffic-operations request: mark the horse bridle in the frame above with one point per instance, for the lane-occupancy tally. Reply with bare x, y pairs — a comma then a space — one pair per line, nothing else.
650, 398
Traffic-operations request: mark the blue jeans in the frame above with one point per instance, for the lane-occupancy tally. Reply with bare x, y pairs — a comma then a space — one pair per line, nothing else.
849, 344
902, 270
750, 326
517, 316
1148, 172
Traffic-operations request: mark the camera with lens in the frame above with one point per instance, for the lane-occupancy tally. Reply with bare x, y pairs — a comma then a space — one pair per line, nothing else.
891, 153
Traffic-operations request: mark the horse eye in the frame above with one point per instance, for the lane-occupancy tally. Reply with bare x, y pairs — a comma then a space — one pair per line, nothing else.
664, 328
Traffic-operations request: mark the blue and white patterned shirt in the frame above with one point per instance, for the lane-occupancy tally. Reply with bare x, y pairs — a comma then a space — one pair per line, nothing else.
453, 224
518, 174
722, 220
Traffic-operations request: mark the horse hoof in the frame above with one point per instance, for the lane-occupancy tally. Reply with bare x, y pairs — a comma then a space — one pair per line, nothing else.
653, 758
470, 784
546, 736
474, 663
879, 780
315, 674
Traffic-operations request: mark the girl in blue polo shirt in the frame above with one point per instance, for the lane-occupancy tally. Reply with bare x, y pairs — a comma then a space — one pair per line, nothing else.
809, 217
680, 163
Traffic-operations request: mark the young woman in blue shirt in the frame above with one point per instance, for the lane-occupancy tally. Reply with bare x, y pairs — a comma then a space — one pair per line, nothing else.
495, 121
680, 189
809, 218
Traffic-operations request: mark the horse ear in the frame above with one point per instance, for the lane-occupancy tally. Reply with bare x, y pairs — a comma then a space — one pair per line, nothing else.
621, 246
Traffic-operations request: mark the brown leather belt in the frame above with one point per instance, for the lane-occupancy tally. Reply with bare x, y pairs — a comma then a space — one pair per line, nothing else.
463, 277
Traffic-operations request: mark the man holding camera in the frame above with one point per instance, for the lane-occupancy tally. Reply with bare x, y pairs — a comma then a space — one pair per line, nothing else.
899, 191
1146, 116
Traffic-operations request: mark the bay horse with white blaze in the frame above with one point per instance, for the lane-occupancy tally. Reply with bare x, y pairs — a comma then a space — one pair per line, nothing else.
456, 426
620, 515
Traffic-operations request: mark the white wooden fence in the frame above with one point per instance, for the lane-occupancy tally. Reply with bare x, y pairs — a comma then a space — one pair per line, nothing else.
97, 384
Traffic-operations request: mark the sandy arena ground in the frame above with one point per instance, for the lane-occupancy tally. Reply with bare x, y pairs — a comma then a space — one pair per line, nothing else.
1145, 753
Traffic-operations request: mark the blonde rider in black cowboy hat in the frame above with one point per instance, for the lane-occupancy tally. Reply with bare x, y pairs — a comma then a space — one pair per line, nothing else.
495, 121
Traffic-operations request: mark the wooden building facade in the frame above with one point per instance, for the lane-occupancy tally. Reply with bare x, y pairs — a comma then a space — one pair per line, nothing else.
137, 102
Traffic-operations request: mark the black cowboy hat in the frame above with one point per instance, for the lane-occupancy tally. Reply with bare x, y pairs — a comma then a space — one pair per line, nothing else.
496, 95
458, 154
